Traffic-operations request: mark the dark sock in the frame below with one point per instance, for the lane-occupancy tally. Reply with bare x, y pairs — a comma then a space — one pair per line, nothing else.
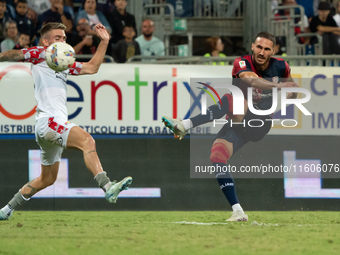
213, 112
226, 182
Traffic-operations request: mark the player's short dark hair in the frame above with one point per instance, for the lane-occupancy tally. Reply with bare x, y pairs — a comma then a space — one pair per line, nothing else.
210, 43
51, 26
21, 1
2, 1
83, 3
266, 35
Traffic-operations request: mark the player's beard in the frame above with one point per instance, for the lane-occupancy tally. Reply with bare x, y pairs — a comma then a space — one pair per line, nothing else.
260, 64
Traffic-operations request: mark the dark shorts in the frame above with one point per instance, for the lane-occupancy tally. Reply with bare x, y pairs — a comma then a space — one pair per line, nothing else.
239, 135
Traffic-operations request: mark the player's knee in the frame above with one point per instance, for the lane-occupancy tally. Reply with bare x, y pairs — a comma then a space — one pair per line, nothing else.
219, 153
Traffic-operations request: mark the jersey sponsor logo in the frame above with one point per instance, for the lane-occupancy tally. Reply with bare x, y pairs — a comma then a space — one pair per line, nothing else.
242, 64
61, 75
276, 79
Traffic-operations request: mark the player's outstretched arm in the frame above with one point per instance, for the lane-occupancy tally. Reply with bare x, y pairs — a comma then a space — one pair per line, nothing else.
255, 81
93, 65
12, 55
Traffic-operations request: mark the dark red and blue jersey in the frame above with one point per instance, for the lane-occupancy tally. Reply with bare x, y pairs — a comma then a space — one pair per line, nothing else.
277, 71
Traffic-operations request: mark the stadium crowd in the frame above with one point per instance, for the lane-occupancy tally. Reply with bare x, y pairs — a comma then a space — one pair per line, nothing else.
322, 17
21, 21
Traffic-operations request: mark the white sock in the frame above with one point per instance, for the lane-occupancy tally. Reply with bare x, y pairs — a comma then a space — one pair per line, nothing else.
187, 124
7, 209
237, 207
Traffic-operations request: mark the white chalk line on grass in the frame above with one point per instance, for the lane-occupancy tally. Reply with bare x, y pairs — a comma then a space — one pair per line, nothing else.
191, 223
254, 223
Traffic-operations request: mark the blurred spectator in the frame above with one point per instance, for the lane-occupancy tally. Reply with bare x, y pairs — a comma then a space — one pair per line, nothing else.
286, 13
325, 25
336, 17
56, 14
4, 18
68, 7
24, 24
214, 48
274, 4
94, 17
10, 8
279, 47
36, 8
308, 6
11, 32
316, 3
83, 42
120, 18
149, 45
23, 42
127, 47
106, 7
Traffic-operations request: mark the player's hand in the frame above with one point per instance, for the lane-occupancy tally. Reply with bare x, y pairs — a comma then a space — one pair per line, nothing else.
102, 33
292, 95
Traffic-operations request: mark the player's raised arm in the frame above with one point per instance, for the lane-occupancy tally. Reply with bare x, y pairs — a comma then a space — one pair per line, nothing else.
93, 65
12, 55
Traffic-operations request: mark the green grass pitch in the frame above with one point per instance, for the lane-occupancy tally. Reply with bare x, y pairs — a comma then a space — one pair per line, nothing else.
204, 232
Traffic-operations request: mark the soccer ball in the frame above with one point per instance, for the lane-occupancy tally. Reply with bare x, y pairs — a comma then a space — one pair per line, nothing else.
60, 56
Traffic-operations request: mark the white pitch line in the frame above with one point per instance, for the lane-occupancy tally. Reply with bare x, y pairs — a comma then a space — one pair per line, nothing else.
254, 223
193, 223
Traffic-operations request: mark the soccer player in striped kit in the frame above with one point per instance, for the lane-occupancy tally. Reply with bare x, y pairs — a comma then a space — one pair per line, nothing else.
260, 71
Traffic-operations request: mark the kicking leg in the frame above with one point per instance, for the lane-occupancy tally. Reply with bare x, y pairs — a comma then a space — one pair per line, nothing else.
181, 127
47, 177
213, 112
221, 151
81, 140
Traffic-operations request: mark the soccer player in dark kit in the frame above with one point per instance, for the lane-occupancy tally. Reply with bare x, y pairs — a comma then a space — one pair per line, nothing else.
262, 72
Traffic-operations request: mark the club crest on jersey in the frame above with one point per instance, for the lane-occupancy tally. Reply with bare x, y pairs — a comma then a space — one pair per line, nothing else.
276, 79
242, 64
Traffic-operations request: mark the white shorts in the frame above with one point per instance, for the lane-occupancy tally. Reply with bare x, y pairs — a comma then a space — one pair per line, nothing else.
51, 134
